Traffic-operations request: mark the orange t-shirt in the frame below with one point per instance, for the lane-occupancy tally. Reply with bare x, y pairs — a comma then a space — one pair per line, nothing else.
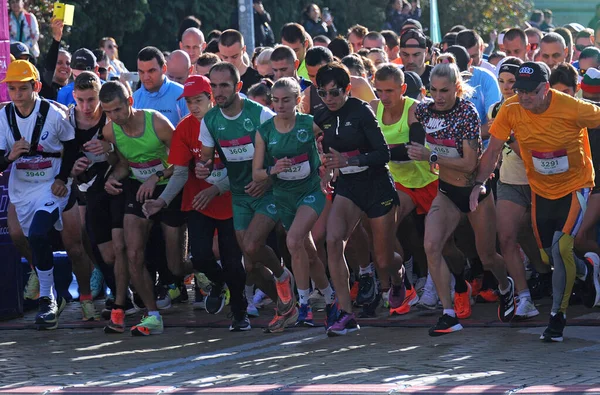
397, 61
554, 145
186, 150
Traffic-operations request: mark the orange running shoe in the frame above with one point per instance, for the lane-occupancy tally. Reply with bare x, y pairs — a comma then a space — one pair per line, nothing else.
462, 303
488, 295
410, 299
116, 323
286, 298
354, 291
476, 285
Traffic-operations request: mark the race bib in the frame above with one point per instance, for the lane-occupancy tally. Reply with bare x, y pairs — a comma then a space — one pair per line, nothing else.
444, 147
34, 170
238, 150
352, 169
218, 174
143, 171
299, 170
548, 163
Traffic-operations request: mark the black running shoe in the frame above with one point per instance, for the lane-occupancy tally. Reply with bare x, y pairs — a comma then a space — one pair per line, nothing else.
446, 324
367, 289
49, 311
554, 331
240, 322
216, 299
506, 310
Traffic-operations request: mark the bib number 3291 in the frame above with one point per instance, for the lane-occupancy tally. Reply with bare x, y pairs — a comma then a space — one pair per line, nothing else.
549, 163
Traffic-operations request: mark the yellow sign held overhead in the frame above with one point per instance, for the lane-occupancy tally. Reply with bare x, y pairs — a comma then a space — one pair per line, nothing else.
65, 12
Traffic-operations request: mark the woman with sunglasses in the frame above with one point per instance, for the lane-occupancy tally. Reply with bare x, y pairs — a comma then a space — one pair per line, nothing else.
109, 45
454, 136
288, 141
356, 151
514, 202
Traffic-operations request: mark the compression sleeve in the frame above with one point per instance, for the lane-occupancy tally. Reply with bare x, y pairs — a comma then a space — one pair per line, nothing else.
175, 184
70, 153
4, 162
381, 153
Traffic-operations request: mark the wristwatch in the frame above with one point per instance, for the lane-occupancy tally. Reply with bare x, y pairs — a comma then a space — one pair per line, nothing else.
161, 175
433, 158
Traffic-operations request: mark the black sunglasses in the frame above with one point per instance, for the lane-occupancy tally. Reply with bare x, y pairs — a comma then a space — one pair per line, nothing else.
102, 70
332, 92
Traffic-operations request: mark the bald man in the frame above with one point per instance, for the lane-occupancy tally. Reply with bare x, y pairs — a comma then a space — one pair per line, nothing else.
192, 42
179, 66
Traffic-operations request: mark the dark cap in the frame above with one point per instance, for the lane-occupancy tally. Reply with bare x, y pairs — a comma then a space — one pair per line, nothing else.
509, 68
83, 59
413, 84
413, 35
18, 49
412, 22
461, 55
530, 75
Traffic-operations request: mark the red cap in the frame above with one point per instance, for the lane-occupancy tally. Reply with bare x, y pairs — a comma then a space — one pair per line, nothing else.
195, 85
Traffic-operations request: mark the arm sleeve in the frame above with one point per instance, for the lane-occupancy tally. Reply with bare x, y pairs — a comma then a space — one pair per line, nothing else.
4, 162
205, 137
399, 153
175, 184
381, 153
223, 185
70, 153
50, 64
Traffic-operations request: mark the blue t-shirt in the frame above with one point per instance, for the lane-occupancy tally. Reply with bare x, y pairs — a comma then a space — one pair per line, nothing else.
164, 101
487, 92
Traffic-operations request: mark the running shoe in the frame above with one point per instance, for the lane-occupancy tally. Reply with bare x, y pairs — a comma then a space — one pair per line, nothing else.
591, 289
346, 323
48, 312
116, 323
174, 293
215, 301
305, 316
97, 283
260, 299
239, 322
410, 299
420, 285
286, 300
525, 309
462, 303
331, 314
367, 289
88, 311
280, 322
554, 331
429, 299
184, 293
202, 281
476, 285
487, 296
136, 300
108, 306
251, 310
316, 300
396, 297
506, 309
445, 325
150, 325
354, 291
163, 300
385, 299
199, 299
32, 288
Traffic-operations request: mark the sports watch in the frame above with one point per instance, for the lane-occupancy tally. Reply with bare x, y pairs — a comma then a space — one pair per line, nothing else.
160, 174
433, 158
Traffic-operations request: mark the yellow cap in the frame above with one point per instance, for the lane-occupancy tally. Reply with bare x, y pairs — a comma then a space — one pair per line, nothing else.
20, 71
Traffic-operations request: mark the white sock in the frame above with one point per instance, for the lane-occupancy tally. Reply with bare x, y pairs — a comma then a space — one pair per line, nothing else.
525, 294
303, 295
366, 270
450, 312
249, 290
328, 294
46, 278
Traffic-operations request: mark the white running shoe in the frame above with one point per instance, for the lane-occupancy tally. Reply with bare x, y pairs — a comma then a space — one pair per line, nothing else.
525, 309
429, 299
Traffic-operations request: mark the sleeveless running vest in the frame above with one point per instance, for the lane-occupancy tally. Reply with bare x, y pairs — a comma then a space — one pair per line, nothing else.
410, 174
146, 153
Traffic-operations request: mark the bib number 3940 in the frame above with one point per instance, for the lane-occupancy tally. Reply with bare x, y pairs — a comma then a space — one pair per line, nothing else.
35, 170
549, 163
238, 150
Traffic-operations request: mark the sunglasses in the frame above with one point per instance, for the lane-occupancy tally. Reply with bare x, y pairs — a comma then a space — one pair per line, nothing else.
534, 46
102, 70
111, 46
527, 93
323, 93
581, 47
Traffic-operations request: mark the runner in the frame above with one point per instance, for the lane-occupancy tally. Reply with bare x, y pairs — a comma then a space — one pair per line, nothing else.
361, 157
454, 138
141, 139
294, 36
284, 63
550, 129
416, 185
514, 202
288, 141
413, 50
230, 128
208, 204
34, 133
232, 50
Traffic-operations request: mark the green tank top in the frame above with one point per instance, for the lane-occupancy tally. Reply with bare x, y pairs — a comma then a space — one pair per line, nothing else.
146, 154
234, 140
300, 146
410, 174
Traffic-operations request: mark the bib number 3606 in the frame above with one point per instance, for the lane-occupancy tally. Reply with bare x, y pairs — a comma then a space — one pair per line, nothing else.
238, 150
